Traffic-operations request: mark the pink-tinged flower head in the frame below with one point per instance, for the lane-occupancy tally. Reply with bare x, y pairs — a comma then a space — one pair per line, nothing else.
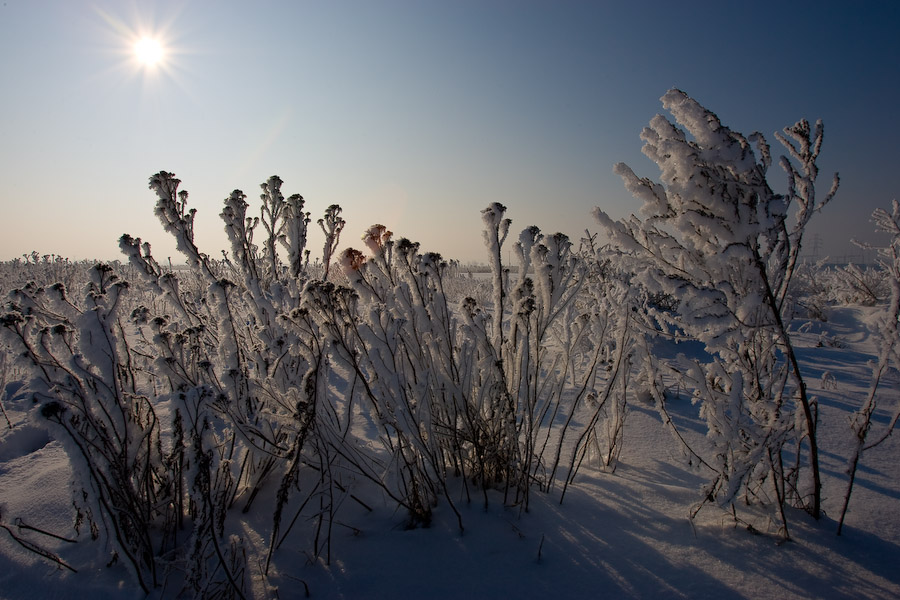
352, 260
376, 238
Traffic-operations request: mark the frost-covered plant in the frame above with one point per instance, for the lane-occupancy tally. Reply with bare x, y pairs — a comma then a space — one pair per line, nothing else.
814, 289
446, 393
287, 224
331, 224
613, 303
246, 381
190, 397
5, 361
45, 269
865, 285
496, 228
93, 393
716, 237
551, 333
397, 335
237, 366
887, 333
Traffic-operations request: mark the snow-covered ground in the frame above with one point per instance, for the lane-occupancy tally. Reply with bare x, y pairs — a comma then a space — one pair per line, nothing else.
620, 535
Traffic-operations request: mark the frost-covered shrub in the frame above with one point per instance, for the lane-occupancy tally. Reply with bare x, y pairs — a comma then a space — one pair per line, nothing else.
448, 396
866, 285
819, 285
237, 368
716, 237
93, 395
258, 383
48, 269
814, 290
561, 334
186, 400
44, 268
213, 383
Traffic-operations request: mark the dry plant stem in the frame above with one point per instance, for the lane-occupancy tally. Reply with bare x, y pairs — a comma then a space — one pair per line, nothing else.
32, 547
815, 509
861, 433
671, 424
225, 567
3, 410
581, 446
778, 484
587, 385
889, 429
101, 485
22, 525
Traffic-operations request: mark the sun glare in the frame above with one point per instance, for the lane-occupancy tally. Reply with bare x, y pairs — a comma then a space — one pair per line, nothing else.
148, 51
143, 49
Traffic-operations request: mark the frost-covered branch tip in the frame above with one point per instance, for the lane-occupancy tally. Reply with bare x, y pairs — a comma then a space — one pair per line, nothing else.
171, 209
332, 224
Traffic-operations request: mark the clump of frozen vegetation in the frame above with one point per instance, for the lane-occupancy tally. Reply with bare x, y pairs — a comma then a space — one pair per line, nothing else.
251, 384
301, 390
715, 236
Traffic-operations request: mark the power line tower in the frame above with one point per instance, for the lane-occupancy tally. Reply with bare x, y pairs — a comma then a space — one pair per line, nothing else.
816, 246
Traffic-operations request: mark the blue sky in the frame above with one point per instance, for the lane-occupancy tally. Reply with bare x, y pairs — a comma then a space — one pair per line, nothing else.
417, 114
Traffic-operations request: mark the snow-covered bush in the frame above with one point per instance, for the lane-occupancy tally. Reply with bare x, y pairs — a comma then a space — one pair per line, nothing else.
236, 369
716, 236
248, 382
188, 399
562, 351
474, 391
814, 290
866, 285
94, 396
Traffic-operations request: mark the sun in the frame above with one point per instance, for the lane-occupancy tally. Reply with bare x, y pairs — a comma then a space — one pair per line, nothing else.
149, 52
143, 49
